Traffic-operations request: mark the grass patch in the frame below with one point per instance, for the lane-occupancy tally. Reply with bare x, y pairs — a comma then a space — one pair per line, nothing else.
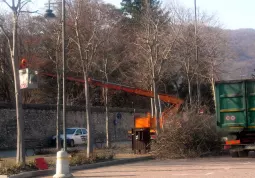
80, 158
7, 168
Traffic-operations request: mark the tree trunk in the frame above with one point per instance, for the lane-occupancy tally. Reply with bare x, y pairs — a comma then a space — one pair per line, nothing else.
213, 92
198, 92
152, 105
190, 92
177, 88
106, 105
156, 110
107, 117
88, 117
213, 86
20, 157
160, 112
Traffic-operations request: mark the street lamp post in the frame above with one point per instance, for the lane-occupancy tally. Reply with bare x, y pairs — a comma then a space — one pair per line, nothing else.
62, 167
63, 71
50, 14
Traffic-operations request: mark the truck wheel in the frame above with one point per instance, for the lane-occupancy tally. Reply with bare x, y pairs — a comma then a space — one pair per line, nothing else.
234, 154
243, 153
72, 143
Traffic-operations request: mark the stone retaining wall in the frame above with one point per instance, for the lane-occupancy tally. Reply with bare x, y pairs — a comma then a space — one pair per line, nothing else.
40, 122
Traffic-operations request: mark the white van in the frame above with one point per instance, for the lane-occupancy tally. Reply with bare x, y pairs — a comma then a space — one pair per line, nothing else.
74, 136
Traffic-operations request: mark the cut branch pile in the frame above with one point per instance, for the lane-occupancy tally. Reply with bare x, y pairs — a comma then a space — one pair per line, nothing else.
186, 136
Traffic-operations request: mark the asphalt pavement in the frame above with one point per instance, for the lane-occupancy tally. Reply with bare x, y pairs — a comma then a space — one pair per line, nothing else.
217, 167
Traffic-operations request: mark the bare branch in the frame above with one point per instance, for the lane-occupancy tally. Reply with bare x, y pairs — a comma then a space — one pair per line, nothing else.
11, 7
7, 37
30, 12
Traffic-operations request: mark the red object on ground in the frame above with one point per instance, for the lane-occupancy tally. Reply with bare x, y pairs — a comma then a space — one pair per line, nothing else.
41, 163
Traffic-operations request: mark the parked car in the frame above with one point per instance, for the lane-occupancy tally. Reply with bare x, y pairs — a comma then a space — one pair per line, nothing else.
74, 136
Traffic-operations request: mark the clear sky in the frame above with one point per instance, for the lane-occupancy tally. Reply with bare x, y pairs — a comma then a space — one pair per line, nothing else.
232, 14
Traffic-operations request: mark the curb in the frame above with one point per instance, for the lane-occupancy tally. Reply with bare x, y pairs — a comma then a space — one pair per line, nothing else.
33, 174
110, 163
76, 168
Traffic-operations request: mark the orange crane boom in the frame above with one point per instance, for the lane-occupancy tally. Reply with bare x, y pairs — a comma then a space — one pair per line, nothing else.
140, 122
147, 121
163, 97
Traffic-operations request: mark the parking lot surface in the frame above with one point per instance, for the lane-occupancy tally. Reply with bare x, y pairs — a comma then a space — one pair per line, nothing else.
218, 167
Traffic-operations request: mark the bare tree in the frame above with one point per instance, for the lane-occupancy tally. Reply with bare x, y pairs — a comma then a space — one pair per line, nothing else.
200, 45
185, 57
213, 51
53, 54
155, 39
87, 16
16, 8
109, 58
57, 64
110, 64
